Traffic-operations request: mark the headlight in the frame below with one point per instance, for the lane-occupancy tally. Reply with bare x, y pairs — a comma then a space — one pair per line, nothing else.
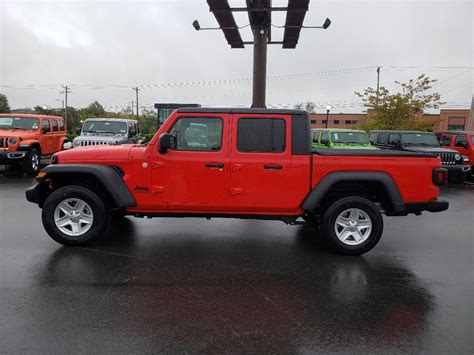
457, 156
12, 141
76, 143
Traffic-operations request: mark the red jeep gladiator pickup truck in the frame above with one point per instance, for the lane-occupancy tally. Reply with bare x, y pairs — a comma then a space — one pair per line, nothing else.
237, 163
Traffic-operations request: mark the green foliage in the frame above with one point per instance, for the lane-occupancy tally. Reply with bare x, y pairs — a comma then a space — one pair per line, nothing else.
4, 106
400, 110
307, 106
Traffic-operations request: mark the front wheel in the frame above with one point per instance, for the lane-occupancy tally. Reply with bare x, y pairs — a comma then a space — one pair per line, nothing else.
74, 215
352, 225
31, 164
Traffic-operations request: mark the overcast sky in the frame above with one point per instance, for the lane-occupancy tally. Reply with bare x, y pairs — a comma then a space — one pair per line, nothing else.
102, 49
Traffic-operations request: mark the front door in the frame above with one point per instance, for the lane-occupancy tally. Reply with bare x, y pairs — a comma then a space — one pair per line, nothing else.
194, 175
46, 137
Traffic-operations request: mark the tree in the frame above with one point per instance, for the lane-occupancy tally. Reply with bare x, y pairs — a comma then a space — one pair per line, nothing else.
307, 106
95, 109
402, 110
4, 106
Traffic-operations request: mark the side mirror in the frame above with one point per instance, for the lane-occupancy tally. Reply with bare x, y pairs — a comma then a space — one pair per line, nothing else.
67, 145
166, 142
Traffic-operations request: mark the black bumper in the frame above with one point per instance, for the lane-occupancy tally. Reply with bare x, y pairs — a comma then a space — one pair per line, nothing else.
455, 170
406, 208
432, 206
34, 192
8, 157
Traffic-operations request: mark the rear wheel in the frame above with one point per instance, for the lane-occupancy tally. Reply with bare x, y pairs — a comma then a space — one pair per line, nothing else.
74, 215
31, 163
352, 225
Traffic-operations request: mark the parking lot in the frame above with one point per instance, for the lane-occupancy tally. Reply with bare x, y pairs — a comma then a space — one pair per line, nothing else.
191, 285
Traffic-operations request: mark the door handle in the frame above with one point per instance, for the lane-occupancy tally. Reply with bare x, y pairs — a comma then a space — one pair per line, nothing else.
273, 166
214, 165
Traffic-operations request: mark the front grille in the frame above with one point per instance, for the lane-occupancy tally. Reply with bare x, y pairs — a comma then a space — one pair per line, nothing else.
3, 143
447, 158
87, 143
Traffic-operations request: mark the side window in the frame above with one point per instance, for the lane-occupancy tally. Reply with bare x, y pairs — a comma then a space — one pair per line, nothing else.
459, 140
325, 137
316, 136
132, 129
446, 140
261, 135
393, 139
373, 138
61, 125
46, 126
54, 123
197, 134
383, 138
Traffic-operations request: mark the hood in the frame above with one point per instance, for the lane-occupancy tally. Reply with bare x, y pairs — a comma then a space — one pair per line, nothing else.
94, 153
98, 137
428, 150
17, 133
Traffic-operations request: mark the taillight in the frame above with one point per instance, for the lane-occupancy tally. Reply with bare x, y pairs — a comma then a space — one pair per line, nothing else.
440, 176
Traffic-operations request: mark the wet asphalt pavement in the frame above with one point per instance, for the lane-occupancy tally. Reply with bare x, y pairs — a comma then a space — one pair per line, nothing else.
193, 286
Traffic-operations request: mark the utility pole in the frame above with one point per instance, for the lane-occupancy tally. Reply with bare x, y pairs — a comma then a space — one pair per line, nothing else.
132, 108
378, 82
65, 92
136, 88
469, 120
260, 40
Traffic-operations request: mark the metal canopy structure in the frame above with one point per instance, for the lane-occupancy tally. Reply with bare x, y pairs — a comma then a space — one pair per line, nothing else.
294, 21
260, 21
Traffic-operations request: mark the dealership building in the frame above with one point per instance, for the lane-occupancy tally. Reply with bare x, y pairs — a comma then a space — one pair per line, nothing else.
445, 120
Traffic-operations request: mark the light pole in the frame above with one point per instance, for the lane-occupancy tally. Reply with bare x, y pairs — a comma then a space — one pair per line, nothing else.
328, 108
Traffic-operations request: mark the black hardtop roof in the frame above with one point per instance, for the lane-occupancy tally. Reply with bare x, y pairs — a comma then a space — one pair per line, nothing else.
456, 132
397, 131
269, 111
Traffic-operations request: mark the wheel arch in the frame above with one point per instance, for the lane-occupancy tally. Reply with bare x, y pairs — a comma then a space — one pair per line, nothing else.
372, 183
104, 180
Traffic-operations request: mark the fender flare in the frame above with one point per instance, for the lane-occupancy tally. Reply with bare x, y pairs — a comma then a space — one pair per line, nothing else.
315, 197
109, 178
27, 144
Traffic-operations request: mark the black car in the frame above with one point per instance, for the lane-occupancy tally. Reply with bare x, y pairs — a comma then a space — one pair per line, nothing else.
415, 141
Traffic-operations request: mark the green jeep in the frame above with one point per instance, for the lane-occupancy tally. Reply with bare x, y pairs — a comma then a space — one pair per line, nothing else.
339, 138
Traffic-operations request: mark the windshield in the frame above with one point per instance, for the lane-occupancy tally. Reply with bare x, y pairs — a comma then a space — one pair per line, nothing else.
105, 127
420, 139
23, 123
349, 137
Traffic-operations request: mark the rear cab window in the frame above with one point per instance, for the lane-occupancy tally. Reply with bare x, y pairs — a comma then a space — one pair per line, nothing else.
261, 135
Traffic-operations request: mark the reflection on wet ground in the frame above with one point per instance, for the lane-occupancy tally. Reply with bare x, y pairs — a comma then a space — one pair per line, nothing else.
191, 285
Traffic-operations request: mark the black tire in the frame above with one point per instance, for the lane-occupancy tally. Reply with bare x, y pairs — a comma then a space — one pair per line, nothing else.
31, 162
99, 212
457, 179
328, 225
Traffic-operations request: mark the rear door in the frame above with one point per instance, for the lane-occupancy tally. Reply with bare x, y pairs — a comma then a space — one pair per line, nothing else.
263, 179
46, 137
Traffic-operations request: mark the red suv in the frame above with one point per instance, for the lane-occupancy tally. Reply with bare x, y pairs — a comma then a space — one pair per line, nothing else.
461, 141
25, 138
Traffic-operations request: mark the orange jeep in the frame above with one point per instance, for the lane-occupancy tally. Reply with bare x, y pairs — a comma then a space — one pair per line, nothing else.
25, 138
